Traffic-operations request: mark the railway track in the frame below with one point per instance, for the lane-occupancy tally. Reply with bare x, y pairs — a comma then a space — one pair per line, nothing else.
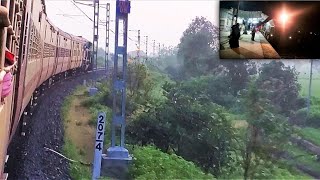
28, 158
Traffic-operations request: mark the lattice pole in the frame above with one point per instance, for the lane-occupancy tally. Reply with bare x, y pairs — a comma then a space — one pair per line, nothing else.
93, 90
154, 48
146, 48
159, 50
138, 55
119, 79
107, 38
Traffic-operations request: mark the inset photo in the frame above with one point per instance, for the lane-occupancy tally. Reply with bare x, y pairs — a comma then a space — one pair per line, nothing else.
269, 30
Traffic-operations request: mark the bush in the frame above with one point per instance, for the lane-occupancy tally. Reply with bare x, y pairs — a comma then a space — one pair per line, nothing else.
102, 97
313, 118
206, 89
198, 133
311, 134
76, 170
302, 102
94, 110
300, 117
303, 118
315, 101
151, 163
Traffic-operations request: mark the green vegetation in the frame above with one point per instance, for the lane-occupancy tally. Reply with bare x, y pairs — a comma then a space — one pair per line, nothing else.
206, 100
304, 118
311, 134
283, 173
191, 116
151, 163
304, 81
77, 170
65, 108
98, 103
304, 157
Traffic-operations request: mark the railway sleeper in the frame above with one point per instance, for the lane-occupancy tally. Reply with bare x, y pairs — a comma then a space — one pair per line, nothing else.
23, 123
36, 98
65, 75
42, 88
31, 105
50, 82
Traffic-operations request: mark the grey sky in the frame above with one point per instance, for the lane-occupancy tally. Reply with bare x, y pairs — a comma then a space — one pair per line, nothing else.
163, 21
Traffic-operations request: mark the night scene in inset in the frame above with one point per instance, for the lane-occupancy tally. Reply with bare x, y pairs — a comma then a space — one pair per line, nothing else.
269, 30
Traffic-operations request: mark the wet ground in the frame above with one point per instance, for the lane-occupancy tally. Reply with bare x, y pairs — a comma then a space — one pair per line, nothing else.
260, 48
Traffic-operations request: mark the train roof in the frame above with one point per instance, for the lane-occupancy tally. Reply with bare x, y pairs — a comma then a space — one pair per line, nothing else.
80, 38
73, 37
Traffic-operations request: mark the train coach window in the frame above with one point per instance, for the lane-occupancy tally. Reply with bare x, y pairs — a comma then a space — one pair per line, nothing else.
51, 39
45, 32
40, 16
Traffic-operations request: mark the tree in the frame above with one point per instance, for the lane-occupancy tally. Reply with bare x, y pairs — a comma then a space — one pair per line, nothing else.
281, 86
239, 73
197, 132
168, 63
206, 89
198, 47
139, 86
267, 131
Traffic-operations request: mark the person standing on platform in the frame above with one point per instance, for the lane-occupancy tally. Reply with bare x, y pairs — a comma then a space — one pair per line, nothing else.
234, 36
253, 33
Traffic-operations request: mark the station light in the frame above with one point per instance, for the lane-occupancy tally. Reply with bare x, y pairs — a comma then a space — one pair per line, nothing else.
284, 17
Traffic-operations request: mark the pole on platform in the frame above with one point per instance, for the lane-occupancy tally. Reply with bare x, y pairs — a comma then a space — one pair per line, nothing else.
237, 12
310, 83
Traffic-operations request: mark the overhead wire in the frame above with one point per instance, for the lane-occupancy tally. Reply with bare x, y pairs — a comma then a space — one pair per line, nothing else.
73, 2
101, 23
91, 5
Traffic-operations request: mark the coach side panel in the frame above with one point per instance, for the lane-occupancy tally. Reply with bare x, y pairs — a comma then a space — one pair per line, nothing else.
77, 58
63, 52
81, 56
67, 53
49, 52
34, 58
9, 39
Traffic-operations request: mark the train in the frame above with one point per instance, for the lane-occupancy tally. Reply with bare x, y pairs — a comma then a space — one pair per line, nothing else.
293, 39
298, 40
33, 55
